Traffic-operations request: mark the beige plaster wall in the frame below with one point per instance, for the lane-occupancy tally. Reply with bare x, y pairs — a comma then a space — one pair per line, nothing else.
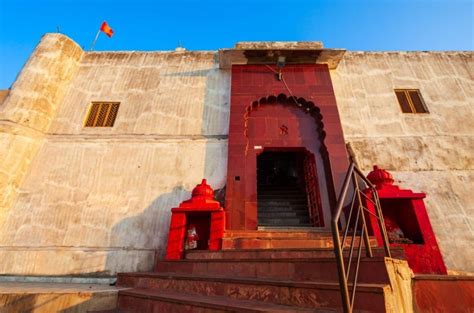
161, 93
432, 153
98, 200
27, 110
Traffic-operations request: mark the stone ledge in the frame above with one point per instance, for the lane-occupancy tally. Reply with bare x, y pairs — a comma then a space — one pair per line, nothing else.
49, 297
247, 45
18, 280
43, 287
444, 277
267, 52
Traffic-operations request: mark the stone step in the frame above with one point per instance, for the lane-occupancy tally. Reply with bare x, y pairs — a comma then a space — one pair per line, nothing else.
285, 224
283, 203
283, 209
371, 270
296, 225
314, 295
277, 220
266, 203
397, 253
147, 300
301, 207
289, 228
282, 214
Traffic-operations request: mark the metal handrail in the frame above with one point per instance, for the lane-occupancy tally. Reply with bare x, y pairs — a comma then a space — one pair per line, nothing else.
353, 177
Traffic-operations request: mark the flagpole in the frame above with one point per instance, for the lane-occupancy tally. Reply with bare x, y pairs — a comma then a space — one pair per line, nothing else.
95, 40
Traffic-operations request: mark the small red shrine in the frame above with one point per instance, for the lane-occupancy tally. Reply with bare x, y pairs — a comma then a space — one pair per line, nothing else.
201, 213
407, 223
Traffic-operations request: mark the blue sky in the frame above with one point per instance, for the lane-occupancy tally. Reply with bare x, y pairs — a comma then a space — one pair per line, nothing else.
210, 25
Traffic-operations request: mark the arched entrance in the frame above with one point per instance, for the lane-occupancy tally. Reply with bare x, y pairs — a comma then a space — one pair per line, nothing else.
287, 161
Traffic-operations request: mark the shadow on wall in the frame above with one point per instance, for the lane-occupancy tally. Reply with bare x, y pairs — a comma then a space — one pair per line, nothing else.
143, 237
215, 121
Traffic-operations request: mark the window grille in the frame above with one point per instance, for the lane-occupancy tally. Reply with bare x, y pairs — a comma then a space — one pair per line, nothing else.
102, 114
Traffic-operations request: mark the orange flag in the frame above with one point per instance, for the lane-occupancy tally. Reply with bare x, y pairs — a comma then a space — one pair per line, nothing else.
106, 29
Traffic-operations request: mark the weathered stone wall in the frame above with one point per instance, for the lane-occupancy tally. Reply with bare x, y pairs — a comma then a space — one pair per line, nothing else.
93, 201
27, 110
434, 152
97, 200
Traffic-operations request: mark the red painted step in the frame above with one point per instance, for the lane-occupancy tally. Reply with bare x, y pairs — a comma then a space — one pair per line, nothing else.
283, 271
370, 297
372, 270
280, 233
145, 300
303, 253
236, 240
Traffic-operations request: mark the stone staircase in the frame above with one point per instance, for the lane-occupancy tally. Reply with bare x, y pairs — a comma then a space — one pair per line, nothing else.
257, 271
282, 206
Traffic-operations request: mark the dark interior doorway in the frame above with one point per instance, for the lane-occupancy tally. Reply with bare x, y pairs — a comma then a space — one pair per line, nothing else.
281, 189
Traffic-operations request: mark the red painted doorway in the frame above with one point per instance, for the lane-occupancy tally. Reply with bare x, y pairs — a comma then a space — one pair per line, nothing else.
265, 116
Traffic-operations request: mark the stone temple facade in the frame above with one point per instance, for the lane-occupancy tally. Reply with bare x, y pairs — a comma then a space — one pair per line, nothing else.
94, 201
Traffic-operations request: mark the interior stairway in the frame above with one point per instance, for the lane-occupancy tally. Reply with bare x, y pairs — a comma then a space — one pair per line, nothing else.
257, 271
282, 206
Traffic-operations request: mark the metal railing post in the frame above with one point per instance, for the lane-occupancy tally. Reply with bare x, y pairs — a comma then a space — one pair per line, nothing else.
382, 223
368, 248
346, 305
354, 174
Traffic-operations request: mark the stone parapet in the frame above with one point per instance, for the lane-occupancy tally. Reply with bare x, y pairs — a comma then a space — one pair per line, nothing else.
42, 83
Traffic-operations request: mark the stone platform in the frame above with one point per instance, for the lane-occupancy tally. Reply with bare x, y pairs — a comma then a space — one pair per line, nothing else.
56, 297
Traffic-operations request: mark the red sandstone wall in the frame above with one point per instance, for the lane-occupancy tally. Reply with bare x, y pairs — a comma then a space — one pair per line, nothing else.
250, 83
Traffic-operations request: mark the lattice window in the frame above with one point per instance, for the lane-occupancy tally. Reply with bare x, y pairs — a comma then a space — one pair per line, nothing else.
410, 101
102, 114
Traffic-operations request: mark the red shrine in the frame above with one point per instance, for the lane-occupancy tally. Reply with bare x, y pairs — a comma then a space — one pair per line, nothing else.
407, 223
205, 214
